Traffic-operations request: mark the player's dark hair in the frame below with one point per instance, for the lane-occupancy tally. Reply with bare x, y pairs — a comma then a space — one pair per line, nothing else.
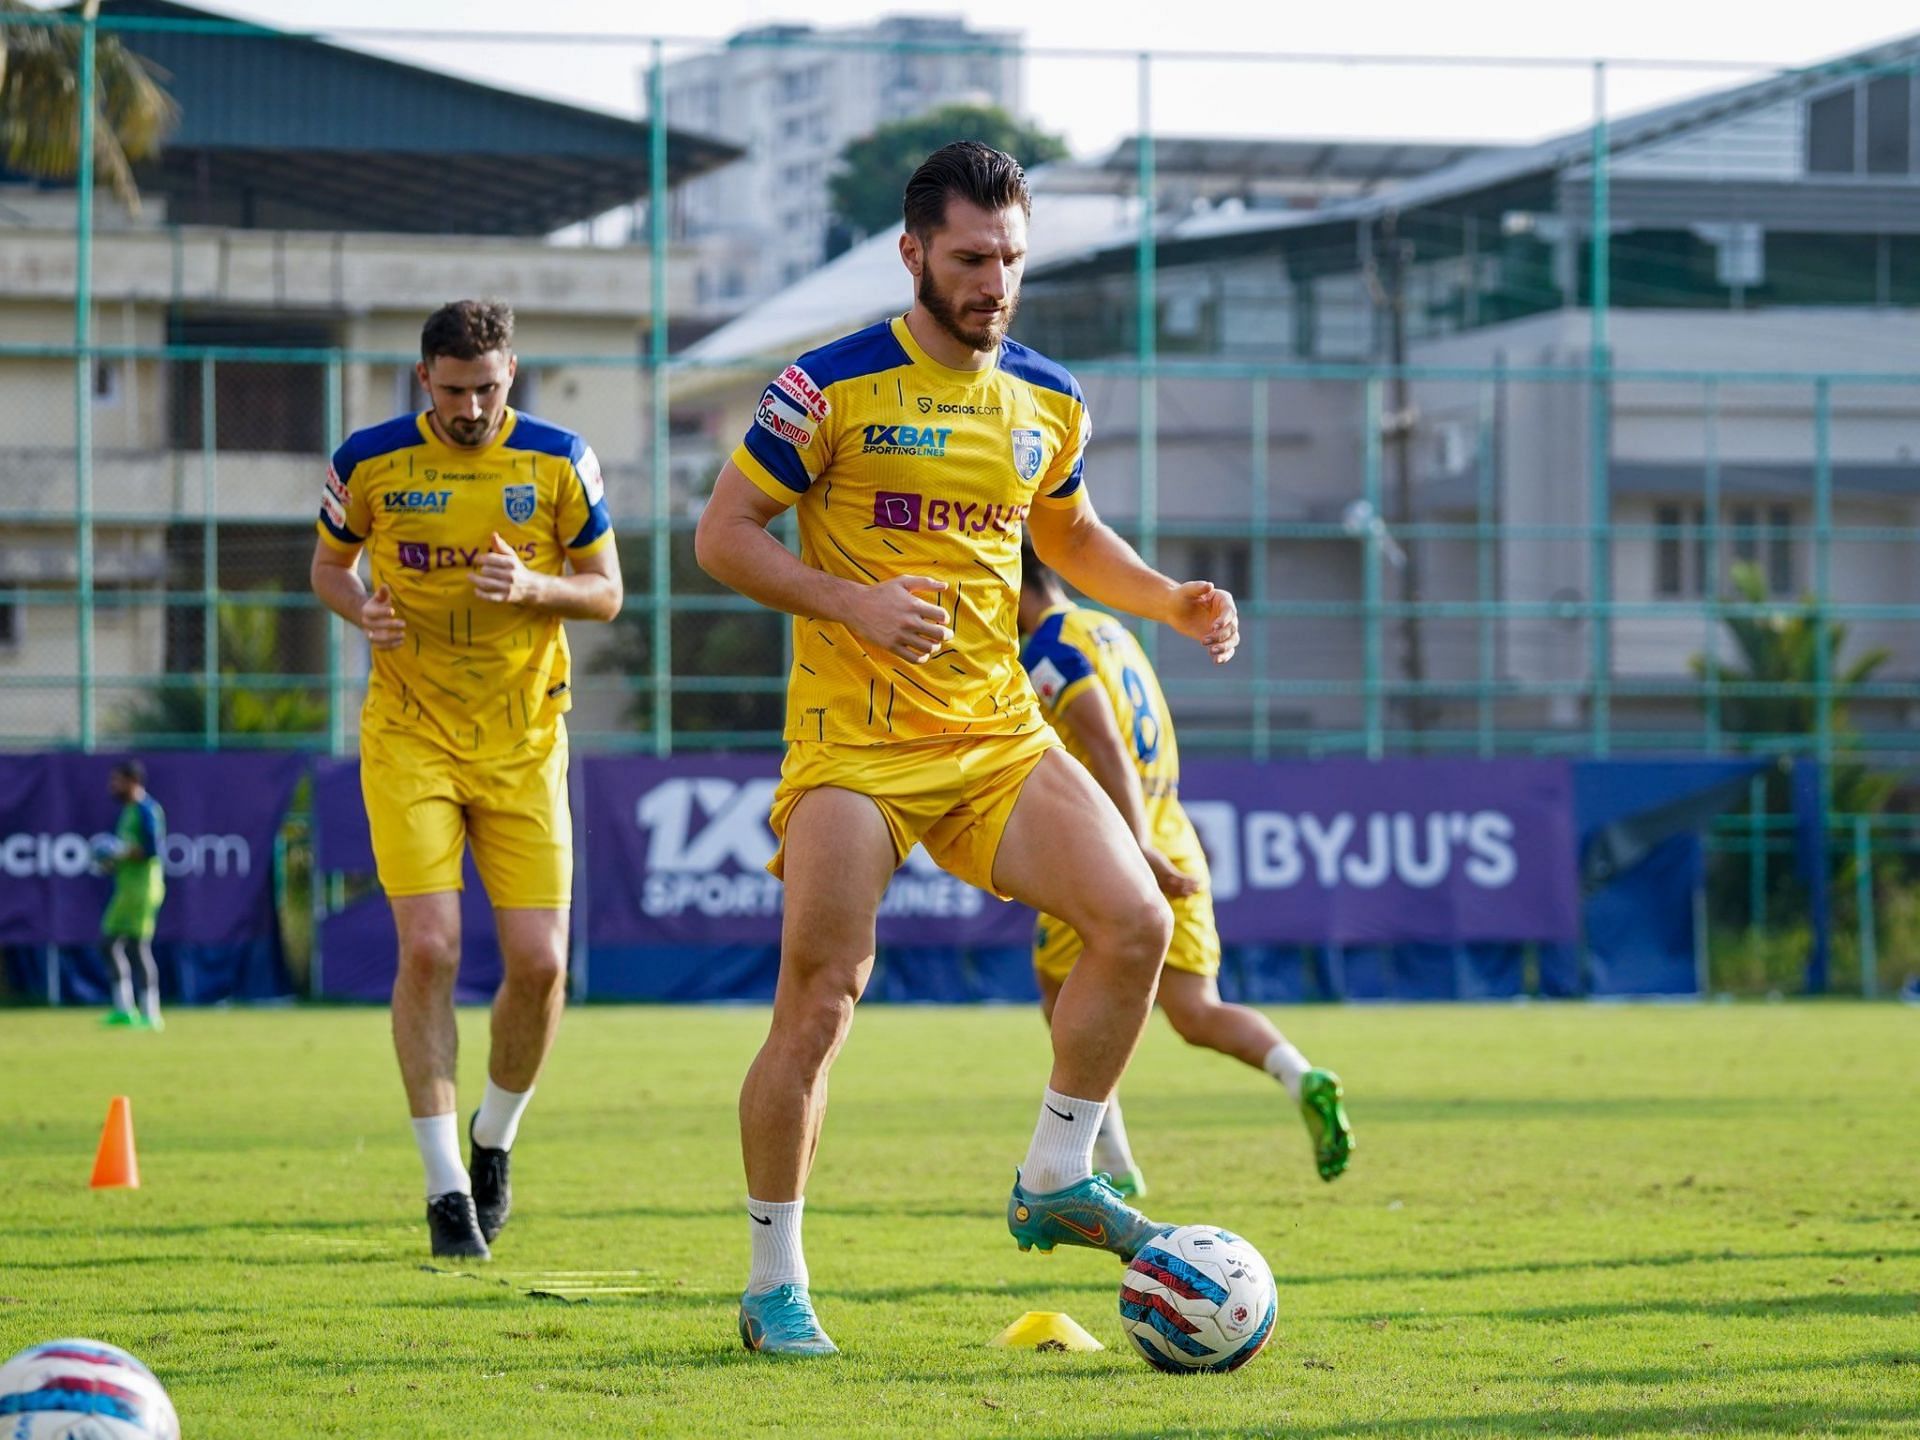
131, 770
1035, 573
467, 329
991, 179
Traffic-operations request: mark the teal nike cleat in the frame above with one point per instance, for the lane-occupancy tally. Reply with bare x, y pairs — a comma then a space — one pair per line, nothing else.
781, 1321
1326, 1117
1089, 1213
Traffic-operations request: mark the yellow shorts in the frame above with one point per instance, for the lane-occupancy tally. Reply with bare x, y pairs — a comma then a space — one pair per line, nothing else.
425, 804
952, 795
1195, 947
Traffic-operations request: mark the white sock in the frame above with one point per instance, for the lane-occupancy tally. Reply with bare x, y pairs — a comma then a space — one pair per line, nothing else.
438, 1137
1062, 1149
1286, 1065
1111, 1152
777, 1257
499, 1118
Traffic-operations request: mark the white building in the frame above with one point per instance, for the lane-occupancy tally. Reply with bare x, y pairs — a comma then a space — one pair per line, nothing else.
792, 96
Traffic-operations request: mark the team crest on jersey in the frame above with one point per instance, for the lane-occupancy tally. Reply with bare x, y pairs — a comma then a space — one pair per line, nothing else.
1027, 453
519, 500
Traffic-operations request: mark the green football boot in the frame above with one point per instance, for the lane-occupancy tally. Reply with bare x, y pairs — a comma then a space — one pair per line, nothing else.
123, 1020
1090, 1213
781, 1321
1127, 1180
1326, 1116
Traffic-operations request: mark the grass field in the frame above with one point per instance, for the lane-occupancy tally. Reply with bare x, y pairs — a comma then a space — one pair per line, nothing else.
1576, 1220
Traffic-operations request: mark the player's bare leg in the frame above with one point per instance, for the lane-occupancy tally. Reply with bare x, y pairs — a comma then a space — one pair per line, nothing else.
1112, 1152
839, 857
428, 1046
526, 1017
1100, 886
1200, 1017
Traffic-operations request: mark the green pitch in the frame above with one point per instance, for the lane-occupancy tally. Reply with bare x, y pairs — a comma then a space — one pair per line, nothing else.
1576, 1221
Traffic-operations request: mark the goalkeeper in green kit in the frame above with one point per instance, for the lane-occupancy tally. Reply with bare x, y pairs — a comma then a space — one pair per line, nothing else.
133, 859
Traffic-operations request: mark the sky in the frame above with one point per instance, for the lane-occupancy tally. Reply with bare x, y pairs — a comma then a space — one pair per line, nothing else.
1094, 101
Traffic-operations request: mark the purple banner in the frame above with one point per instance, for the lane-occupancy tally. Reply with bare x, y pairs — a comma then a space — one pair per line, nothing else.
676, 852
223, 811
1340, 852
1356, 852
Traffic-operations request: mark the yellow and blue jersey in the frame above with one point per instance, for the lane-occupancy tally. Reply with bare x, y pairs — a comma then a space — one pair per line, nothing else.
899, 465
474, 675
1074, 649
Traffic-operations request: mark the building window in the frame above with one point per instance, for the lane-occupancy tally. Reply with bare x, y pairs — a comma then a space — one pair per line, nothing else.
1764, 538
107, 375
10, 625
1830, 134
1863, 128
266, 406
1227, 563
1680, 550
1889, 127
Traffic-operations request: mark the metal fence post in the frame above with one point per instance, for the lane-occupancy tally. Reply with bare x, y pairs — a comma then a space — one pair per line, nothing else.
661, 591
336, 627
83, 379
1146, 343
1372, 702
1863, 905
1258, 574
209, 564
1599, 425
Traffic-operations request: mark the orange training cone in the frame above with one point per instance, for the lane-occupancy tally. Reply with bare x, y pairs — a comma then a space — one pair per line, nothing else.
115, 1167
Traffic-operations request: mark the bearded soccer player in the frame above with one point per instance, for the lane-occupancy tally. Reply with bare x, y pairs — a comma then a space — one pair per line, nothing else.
484, 529
915, 451
1098, 689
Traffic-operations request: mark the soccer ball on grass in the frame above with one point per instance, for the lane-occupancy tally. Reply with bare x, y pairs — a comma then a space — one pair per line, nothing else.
82, 1390
1198, 1298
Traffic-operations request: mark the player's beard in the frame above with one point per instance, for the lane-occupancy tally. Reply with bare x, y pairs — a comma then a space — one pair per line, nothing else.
956, 323
471, 433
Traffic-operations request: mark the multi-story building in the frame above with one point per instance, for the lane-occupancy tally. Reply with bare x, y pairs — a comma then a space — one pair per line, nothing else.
792, 96
307, 242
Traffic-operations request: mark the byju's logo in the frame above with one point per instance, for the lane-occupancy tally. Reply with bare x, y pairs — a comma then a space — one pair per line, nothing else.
417, 555
928, 440
902, 510
1275, 850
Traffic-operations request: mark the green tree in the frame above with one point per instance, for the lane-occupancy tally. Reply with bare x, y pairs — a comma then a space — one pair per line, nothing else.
250, 651
40, 102
1782, 647
873, 171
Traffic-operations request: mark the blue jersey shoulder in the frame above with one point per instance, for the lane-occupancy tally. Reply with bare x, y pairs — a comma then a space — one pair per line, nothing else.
400, 433
865, 352
1048, 642
543, 437
1036, 369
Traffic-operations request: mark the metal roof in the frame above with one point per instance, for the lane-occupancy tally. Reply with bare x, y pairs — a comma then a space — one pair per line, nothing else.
281, 129
1487, 171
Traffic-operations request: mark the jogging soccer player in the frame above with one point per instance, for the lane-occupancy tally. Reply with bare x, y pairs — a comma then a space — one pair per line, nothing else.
139, 887
1098, 689
484, 529
914, 452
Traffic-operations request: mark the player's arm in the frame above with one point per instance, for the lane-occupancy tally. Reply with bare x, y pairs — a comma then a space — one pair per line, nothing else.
1086, 552
593, 591
733, 545
336, 580
1089, 715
